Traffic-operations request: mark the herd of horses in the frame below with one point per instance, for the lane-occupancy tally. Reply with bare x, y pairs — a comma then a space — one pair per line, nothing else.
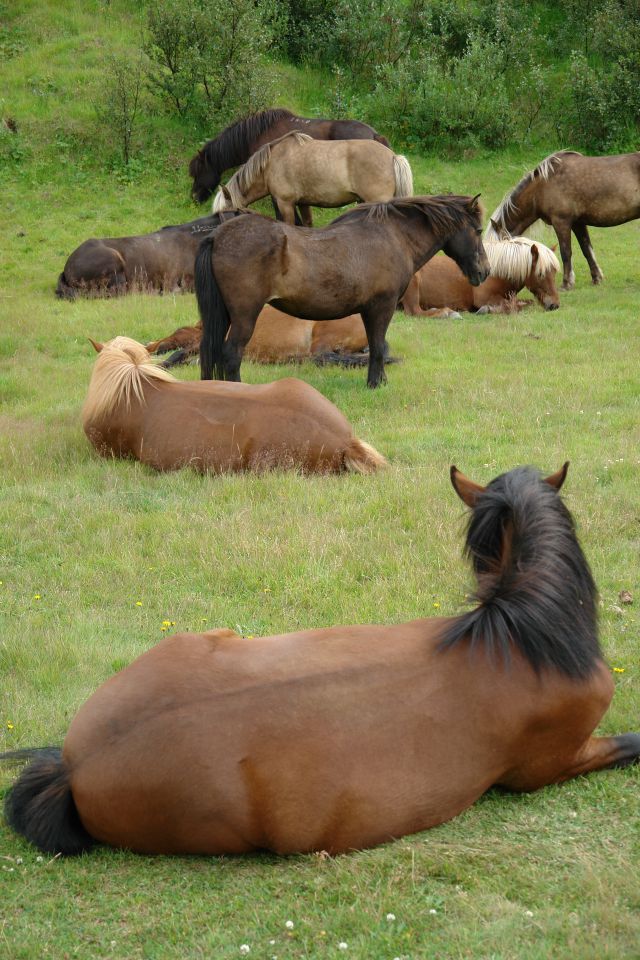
340, 738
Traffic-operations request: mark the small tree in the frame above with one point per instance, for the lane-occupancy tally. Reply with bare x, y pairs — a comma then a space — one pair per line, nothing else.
117, 107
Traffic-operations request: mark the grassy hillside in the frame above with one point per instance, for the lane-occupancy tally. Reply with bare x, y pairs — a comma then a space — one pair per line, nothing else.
84, 541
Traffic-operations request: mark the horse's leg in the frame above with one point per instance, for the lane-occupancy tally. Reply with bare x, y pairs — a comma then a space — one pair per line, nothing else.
376, 318
288, 211
597, 753
563, 232
583, 238
238, 337
305, 214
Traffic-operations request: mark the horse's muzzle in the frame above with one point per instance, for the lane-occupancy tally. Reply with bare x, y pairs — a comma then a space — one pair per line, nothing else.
551, 306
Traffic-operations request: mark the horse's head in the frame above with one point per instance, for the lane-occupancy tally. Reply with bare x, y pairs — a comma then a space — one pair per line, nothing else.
541, 280
465, 245
205, 178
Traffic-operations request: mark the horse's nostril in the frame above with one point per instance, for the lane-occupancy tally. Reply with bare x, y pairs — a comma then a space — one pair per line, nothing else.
552, 306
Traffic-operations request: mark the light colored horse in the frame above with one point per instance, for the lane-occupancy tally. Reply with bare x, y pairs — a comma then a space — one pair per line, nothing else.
571, 192
440, 288
136, 409
298, 170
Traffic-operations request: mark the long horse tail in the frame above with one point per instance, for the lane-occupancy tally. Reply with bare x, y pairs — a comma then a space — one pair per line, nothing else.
64, 290
403, 176
214, 315
40, 805
361, 457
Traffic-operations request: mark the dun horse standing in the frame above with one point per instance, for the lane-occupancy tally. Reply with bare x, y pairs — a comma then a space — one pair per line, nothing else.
323, 275
136, 409
297, 170
235, 144
572, 192
342, 738
440, 288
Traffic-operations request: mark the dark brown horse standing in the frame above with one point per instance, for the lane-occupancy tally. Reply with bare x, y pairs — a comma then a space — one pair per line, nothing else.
162, 261
572, 192
342, 738
359, 263
235, 144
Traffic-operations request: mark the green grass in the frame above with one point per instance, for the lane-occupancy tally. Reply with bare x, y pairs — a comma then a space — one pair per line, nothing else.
273, 553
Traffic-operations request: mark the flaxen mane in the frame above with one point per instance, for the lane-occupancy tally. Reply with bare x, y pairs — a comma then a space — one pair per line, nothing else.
511, 259
122, 368
535, 589
231, 146
509, 205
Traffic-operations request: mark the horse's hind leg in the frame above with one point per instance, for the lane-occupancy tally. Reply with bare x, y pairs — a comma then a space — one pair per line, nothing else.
583, 238
376, 318
563, 232
233, 349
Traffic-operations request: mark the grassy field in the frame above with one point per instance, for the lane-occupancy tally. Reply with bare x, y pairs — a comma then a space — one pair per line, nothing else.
95, 555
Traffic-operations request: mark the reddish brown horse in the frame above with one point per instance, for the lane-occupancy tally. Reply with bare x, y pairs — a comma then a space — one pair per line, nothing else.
342, 738
136, 409
161, 261
440, 288
572, 192
235, 144
324, 274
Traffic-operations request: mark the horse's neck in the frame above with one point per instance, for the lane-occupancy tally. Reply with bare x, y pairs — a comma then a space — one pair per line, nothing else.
421, 239
525, 210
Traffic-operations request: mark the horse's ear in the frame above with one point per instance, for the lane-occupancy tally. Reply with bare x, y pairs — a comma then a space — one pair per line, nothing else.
467, 490
535, 255
96, 346
557, 479
473, 204
495, 226
554, 247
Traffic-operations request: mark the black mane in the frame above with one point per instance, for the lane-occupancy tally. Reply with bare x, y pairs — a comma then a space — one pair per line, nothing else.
445, 213
231, 147
540, 597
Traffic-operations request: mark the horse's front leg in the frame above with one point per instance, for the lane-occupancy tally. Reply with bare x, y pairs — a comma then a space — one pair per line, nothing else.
376, 318
305, 214
287, 211
563, 232
583, 238
597, 753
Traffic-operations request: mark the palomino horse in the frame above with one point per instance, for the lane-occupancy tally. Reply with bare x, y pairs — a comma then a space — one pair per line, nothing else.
439, 288
161, 261
297, 170
345, 737
235, 144
571, 192
136, 409
323, 274
277, 338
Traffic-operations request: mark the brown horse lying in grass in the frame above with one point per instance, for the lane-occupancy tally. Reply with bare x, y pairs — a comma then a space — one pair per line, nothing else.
162, 261
360, 263
136, 409
297, 170
341, 738
277, 338
439, 288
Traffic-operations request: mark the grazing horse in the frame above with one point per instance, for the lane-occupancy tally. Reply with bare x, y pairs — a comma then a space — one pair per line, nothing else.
235, 144
136, 409
297, 170
440, 288
345, 737
573, 192
161, 261
324, 274
278, 338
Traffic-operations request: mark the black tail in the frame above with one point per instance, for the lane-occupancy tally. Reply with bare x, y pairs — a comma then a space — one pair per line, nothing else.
40, 804
213, 313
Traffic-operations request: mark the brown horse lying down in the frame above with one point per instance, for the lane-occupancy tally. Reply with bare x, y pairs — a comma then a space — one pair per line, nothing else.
439, 288
341, 738
162, 261
277, 338
135, 409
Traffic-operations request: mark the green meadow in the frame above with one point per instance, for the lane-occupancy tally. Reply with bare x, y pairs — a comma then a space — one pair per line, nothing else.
96, 555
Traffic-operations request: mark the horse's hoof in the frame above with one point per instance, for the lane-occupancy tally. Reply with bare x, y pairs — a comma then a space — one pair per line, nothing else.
483, 310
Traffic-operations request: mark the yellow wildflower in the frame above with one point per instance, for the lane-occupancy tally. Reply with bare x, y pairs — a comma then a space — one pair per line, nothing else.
619, 669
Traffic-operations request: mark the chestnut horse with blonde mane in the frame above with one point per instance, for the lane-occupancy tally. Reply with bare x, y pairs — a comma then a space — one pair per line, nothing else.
341, 738
298, 171
136, 409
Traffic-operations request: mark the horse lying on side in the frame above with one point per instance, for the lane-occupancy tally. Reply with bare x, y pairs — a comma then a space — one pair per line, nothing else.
136, 409
237, 142
439, 288
345, 737
161, 261
278, 338
297, 170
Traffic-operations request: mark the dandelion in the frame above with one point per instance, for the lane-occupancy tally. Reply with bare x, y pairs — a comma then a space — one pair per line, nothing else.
391, 917
138, 603
39, 859
245, 949
9, 725
166, 623
289, 924
619, 669
18, 859
37, 596
433, 912
436, 604
271, 942
203, 619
